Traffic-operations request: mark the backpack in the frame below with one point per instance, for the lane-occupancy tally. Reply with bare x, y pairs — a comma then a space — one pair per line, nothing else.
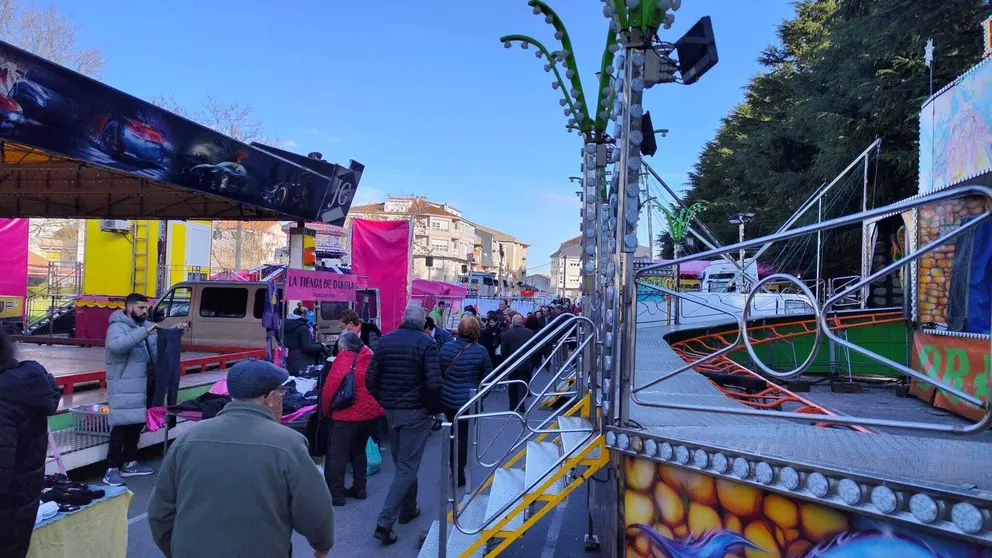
345, 396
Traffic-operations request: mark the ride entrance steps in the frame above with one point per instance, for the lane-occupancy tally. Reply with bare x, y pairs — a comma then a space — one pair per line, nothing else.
523, 490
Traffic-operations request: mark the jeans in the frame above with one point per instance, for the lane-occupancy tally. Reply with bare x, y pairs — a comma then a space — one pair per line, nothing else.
408, 433
123, 446
463, 428
346, 444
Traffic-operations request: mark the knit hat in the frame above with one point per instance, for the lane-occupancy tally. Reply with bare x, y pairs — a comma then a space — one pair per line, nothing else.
249, 379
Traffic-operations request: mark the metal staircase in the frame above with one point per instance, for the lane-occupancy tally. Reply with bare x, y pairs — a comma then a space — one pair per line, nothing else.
141, 247
553, 455
51, 307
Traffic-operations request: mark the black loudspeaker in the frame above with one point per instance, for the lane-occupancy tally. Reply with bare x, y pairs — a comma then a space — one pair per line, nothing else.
429, 261
650, 145
464, 268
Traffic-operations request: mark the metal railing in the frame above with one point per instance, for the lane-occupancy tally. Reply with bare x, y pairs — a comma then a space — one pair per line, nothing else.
848, 299
561, 331
822, 315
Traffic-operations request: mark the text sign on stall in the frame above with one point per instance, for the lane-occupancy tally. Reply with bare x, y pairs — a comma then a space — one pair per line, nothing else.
320, 286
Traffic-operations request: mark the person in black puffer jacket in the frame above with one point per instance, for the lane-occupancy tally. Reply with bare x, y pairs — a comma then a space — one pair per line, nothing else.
303, 350
464, 363
28, 396
405, 379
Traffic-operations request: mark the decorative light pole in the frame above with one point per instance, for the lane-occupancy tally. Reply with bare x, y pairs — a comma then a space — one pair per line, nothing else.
590, 122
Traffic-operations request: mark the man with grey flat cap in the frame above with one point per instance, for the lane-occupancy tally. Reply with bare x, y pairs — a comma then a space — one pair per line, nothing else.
240, 483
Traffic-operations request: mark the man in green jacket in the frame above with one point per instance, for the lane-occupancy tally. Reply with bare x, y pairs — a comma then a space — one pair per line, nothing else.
240, 483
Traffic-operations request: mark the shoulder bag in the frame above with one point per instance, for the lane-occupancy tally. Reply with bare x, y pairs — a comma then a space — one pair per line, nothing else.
345, 396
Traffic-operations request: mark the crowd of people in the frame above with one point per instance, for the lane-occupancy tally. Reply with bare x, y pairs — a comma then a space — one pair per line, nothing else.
258, 472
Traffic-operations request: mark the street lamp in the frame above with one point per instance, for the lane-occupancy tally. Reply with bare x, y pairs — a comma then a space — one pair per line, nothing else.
741, 219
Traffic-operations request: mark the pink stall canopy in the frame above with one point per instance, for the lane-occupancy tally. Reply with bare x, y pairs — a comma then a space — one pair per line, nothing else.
14, 257
381, 251
243, 275
428, 293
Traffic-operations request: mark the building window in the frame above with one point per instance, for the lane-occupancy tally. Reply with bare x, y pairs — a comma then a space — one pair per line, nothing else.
223, 302
439, 245
439, 225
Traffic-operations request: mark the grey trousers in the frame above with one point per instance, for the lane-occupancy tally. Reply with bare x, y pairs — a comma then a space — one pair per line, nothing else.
408, 433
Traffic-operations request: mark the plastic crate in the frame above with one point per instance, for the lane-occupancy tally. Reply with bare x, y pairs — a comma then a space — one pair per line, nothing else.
91, 419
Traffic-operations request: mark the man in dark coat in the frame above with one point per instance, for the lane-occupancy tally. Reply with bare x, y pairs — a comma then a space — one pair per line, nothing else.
28, 396
404, 377
441, 336
297, 338
513, 339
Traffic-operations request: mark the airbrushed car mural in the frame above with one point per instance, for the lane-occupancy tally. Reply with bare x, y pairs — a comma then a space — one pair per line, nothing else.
48, 107
11, 113
676, 513
222, 177
131, 139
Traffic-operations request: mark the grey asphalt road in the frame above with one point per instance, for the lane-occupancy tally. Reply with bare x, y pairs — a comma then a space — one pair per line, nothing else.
560, 533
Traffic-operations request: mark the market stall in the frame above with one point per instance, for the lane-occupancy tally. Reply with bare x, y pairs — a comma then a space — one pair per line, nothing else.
96, 529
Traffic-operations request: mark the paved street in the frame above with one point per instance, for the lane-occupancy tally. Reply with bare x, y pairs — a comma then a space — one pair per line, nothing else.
355, 521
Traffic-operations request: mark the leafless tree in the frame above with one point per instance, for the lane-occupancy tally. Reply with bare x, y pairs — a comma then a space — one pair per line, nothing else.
234, 120
48, 32
259, 243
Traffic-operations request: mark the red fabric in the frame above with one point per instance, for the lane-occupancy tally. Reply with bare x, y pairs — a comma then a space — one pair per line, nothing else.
365, 406
381, 251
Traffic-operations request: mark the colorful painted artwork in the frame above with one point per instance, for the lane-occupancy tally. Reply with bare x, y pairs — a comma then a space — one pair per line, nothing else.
934, 278
956, 131
676, 513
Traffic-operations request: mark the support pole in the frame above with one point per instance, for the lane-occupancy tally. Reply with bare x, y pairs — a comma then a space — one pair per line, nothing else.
627, 246
819, 249
865, 249
238, 245
162, 273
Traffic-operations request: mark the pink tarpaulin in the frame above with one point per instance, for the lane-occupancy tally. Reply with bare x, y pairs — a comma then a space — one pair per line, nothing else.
381, 251
423, 287
243, 275
14, 257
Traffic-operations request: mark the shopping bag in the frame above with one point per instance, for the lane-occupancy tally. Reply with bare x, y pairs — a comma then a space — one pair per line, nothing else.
373, 456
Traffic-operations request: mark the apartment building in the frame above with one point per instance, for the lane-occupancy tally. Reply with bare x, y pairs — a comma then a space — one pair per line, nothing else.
566, 267
512, 267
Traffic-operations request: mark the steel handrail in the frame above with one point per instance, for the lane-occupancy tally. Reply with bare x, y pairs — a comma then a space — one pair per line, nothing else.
536, 402
822, 317
547, 340
539, 336
528, 431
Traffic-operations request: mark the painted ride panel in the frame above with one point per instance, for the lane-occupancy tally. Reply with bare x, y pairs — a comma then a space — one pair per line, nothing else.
46, 106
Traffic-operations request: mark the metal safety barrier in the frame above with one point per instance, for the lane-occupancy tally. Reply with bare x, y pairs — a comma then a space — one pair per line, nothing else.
822, 315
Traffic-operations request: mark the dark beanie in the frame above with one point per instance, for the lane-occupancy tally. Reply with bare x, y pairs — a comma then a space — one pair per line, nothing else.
249, 379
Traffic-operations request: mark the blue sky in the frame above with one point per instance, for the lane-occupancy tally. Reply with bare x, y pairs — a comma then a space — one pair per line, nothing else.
422, 93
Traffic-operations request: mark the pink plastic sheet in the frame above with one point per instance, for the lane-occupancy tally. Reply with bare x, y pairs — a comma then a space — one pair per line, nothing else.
423, 287
286, 419
381, 251
14, 257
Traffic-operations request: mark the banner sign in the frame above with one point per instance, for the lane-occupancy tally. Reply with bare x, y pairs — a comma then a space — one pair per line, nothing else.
963, 363
49, 107
320, 286
14, 257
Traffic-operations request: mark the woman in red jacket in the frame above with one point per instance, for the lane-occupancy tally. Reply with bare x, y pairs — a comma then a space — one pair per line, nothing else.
352, 426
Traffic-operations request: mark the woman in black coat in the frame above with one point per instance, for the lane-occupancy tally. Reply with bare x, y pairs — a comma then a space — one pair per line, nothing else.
491, 337
303, 350
464, 363
28, 396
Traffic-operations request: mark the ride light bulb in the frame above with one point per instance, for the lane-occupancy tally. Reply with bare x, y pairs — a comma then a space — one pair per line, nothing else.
818, 485
789, 478
507, 44
884, 499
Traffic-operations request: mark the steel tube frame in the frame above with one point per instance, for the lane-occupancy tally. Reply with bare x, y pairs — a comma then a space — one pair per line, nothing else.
898, 207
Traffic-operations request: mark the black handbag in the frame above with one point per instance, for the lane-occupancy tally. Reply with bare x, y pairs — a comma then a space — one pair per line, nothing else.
345, 396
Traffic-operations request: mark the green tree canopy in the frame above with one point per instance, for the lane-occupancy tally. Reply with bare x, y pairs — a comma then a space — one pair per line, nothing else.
842, 73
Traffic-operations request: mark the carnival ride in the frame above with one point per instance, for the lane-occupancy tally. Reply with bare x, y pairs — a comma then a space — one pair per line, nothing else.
788, 434
130, 167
